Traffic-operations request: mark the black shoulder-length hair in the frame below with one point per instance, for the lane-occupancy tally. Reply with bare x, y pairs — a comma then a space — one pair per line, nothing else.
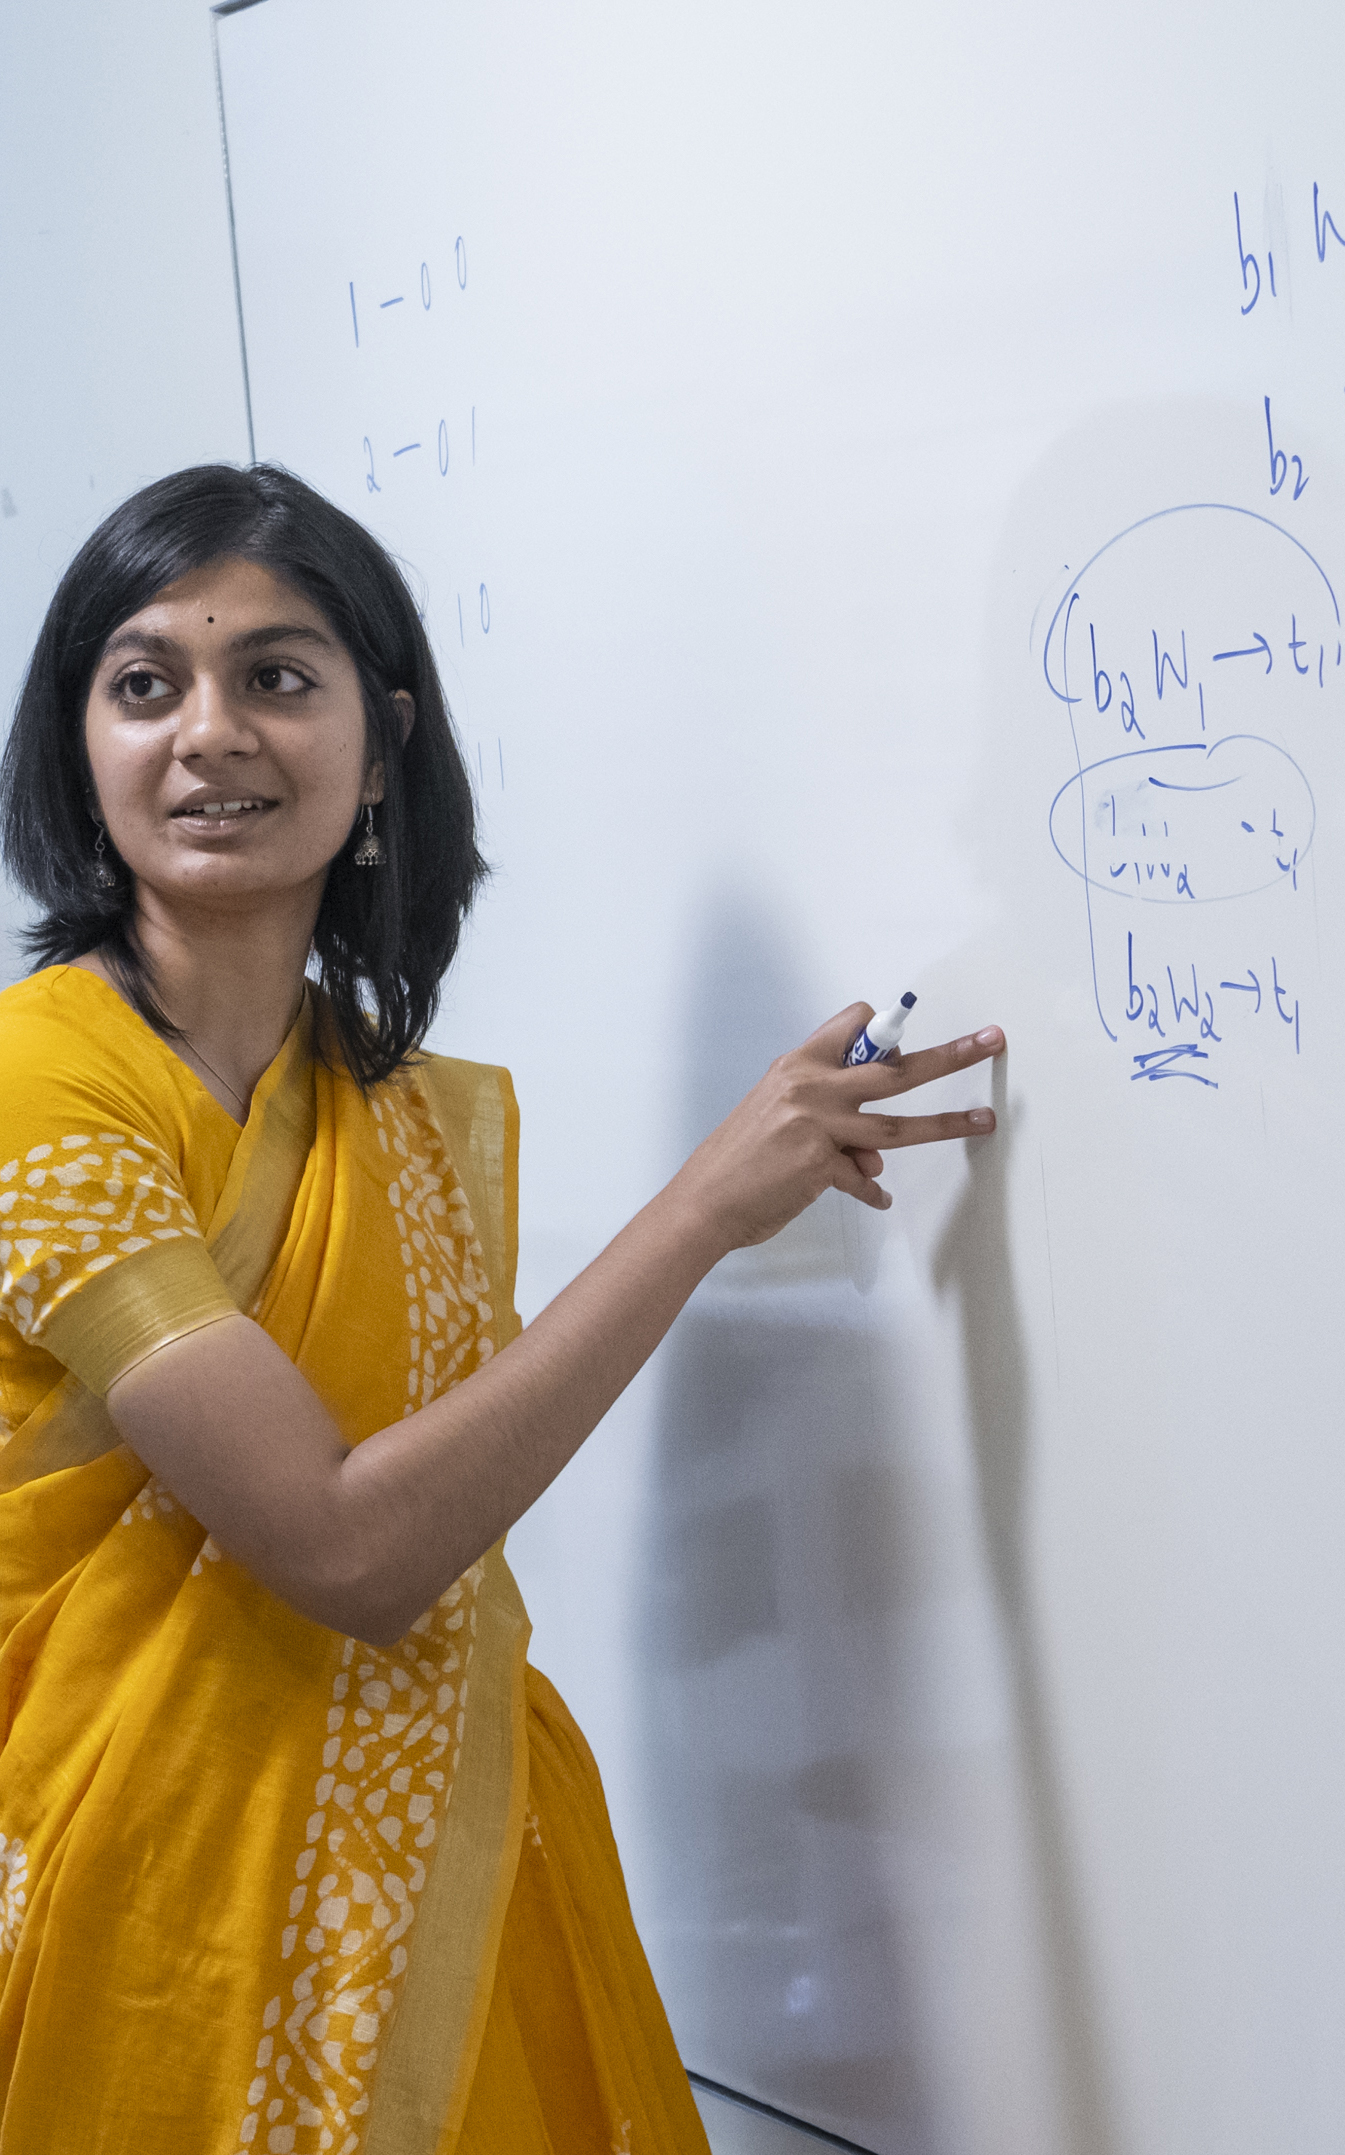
385, 936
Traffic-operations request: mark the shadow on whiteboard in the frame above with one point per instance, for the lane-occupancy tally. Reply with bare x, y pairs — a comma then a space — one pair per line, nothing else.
840, 1919
973, 1261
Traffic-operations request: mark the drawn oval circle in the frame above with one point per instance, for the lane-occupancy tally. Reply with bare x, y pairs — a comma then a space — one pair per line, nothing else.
1190, 824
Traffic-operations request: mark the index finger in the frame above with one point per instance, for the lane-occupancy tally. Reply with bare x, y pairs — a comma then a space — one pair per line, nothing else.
880, 1081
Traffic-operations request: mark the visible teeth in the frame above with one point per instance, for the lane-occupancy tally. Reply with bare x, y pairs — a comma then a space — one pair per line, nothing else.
224, 808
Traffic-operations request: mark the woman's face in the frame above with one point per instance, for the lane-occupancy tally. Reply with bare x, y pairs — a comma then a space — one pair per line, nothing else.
226, 735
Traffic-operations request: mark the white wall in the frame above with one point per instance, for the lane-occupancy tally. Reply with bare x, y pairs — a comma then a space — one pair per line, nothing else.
120, 356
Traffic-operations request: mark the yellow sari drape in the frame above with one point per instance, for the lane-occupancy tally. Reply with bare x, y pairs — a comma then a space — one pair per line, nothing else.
258, 1880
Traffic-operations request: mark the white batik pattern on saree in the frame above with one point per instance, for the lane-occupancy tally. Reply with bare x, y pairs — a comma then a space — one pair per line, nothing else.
13, 1889
151, 1502
446, 1286
395, 1728
72, 1209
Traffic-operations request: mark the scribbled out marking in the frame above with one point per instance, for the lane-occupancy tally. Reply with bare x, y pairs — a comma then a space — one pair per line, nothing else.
1171, 1062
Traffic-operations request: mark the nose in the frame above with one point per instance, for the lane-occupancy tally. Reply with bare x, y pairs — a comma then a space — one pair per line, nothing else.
211, 723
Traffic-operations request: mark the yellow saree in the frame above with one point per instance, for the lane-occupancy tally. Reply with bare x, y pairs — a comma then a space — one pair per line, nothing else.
263, 1887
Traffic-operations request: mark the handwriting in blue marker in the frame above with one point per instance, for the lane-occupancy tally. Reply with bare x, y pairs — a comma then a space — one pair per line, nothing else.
1182, 1004
398, 299
1161, 666
1279, 462
1173, 824
1163, 812
406, 448
1102, 683
1324, 229
1257, 649
1101, 679
1144, 1001
1173, 1063
1248, 261
1281, 994
1250, 986
1323, 226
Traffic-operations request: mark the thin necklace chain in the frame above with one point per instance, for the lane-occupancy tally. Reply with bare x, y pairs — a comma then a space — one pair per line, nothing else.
219, 1075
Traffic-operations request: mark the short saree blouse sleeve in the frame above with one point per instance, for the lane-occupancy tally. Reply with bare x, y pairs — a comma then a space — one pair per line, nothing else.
102, 1258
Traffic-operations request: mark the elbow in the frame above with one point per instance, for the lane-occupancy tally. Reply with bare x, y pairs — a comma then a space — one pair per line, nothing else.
371, 1604
344, 1568
358, 1611
378, 1628
371, 1619
336, 1568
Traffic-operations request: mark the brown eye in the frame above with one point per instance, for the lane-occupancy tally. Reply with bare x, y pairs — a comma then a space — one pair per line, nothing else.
142, 686
278, 679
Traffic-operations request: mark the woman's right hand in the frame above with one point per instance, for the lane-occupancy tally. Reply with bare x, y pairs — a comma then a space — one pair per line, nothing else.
801, 1130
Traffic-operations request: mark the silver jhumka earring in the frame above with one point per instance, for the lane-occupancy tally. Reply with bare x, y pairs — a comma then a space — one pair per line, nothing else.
370, 853
104, 874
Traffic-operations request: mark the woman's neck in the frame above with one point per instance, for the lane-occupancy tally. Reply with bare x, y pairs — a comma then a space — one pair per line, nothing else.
232, 986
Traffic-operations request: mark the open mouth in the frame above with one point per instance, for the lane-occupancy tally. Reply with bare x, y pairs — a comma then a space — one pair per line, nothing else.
213, 814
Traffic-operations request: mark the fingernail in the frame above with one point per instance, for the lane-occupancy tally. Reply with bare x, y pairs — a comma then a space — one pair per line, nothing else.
982, 1118
988, 1037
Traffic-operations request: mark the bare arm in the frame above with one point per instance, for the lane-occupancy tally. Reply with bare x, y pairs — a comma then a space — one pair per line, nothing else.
364, 1540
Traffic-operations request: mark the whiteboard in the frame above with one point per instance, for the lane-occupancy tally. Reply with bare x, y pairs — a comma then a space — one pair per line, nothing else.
873, 479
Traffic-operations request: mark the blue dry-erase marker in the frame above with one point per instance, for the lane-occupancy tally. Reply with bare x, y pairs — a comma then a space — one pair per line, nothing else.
879, 1039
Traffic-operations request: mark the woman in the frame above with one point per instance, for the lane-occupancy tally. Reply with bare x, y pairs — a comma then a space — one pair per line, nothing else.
296, 1851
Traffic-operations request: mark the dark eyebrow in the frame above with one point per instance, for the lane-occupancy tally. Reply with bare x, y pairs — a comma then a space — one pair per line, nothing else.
160, 646
280, 632
139, 640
